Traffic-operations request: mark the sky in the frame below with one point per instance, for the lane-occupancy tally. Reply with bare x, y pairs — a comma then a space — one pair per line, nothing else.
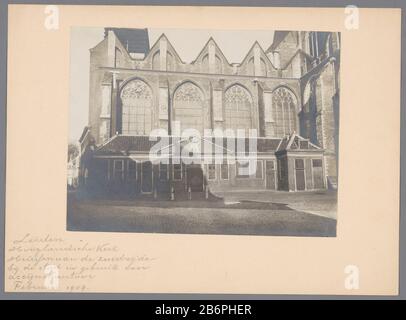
187, 43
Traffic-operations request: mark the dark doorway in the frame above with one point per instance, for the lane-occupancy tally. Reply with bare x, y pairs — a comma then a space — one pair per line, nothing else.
195, 178
300, 174
270, 175
146, 177
318, 179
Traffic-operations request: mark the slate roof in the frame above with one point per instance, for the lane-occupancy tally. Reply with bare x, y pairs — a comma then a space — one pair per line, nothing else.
277, 39
263, 144
134, 40
279, 36
123, 144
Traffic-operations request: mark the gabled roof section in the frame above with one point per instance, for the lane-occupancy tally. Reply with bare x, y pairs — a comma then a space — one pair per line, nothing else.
283, 144
218, 50
170, 47
134, 40
257, 44
294, 142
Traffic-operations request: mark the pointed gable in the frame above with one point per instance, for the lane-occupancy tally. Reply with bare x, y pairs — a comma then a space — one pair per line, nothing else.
205, 50
294, 142
163, 55
211, 58
256, 62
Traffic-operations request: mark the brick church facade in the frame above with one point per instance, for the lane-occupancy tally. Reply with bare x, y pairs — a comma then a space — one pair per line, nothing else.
288, 93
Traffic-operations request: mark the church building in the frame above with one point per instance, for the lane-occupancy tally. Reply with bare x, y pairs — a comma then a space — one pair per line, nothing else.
288, 93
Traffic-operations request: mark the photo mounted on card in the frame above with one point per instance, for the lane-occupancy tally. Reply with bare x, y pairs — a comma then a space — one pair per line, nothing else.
171, 153
239, 134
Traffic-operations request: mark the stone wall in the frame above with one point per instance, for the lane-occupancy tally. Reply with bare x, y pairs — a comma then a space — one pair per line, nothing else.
214, 90
259, 74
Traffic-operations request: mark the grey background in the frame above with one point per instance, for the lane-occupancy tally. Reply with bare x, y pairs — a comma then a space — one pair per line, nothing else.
257, 3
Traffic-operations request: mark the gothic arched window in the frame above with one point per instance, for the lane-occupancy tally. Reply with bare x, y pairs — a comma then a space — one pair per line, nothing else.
188, 107
136, 97
238, 107
284, 109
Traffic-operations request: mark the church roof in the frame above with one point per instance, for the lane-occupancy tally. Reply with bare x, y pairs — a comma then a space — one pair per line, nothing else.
134, 40
279, 36
277, 39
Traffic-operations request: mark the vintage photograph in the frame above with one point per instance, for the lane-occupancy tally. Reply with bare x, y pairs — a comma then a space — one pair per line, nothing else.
227, 132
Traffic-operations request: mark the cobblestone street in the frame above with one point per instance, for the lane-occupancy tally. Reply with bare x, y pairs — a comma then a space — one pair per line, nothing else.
227, 217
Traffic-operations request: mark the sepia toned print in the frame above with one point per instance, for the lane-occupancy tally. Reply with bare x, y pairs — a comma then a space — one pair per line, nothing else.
208, 146
214, 250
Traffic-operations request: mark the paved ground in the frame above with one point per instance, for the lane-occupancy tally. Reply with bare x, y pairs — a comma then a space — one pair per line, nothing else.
228, 217
322, 203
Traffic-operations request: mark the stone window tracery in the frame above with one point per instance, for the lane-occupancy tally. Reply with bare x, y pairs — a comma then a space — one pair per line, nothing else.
188, 107
238, 107
284, 105
136, 99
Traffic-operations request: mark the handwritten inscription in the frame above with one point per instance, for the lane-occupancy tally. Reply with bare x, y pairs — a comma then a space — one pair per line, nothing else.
55, 264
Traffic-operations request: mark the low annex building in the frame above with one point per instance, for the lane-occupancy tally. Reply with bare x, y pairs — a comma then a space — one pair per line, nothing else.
288, 93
